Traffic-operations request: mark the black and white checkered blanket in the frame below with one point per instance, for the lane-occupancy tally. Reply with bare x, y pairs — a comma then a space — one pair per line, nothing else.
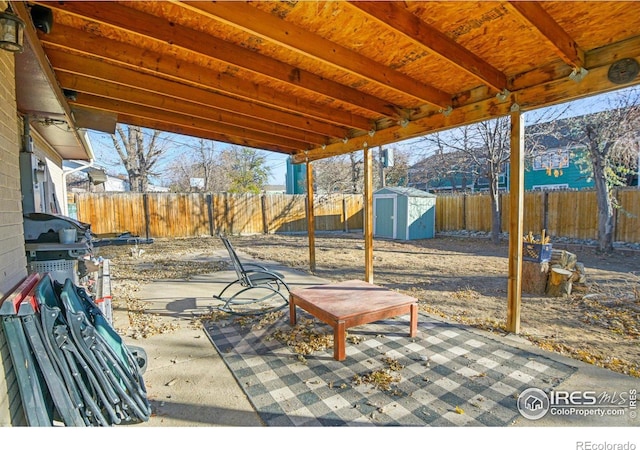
448, 375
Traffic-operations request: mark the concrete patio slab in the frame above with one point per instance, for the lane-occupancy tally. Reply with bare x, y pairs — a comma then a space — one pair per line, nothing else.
189, 384
187, 381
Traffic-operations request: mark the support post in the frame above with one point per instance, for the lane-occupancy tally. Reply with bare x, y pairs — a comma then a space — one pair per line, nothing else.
381, 164
311, 221
368, 215
516, 216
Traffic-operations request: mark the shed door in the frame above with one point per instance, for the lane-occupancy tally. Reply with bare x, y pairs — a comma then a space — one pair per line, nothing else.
384, 224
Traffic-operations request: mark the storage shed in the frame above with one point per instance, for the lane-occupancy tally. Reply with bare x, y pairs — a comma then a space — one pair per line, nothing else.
404, 213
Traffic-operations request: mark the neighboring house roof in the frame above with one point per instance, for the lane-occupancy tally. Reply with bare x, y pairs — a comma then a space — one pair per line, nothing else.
439, 159
274, 188
428, 171
154, 188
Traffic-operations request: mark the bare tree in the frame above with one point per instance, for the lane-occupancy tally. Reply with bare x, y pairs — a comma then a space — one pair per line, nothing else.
202, 161
607, 147
233, 169
332, 175
180, 173
480, 150
398, 173
450, 160
357, 172
344, 174
139, 153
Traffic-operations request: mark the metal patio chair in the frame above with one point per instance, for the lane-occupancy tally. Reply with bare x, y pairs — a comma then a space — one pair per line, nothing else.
261, 290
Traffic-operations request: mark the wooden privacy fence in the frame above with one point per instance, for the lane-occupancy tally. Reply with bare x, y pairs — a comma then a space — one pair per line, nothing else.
197, 214
571, 214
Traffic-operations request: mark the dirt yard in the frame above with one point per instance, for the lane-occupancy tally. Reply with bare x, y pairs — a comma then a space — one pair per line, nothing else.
460, 279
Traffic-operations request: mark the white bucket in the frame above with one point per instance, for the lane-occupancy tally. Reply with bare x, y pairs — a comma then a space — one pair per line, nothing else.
67, 235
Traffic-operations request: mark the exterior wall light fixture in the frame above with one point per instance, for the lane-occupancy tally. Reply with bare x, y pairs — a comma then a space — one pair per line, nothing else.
11, 31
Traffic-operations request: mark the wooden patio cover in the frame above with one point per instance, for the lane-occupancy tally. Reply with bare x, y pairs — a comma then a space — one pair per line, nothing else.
314, 79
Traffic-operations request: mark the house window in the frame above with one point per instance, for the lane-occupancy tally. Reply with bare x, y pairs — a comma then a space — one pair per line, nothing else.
553, 158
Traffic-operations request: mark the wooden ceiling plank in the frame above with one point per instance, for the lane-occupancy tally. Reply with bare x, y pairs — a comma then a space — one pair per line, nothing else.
80, 65
566, 47
283, 33
158, 29
157, 100
395, 16
124, 107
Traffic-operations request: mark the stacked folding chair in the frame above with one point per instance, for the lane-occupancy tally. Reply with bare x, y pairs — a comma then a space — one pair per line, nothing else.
71, 365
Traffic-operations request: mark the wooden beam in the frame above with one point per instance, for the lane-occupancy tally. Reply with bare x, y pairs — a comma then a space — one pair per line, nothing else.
311, 221
153, 124
565, 46
528, 98
395, 16
368, 215
604, 56
516, 217
281, 32
141, 25
235, 134
113, 91
467, 114
73, 41
105, 71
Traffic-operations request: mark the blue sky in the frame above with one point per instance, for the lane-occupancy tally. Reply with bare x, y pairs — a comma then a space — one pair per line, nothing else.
107, 157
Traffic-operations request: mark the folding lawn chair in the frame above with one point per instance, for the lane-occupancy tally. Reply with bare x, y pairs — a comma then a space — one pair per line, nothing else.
114, 368
99, 374
259, 286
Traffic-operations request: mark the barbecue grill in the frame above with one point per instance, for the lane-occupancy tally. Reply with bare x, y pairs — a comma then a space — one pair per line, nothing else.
49, 246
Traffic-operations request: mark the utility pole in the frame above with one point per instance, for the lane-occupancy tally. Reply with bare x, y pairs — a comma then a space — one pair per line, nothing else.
386, 160
382, 166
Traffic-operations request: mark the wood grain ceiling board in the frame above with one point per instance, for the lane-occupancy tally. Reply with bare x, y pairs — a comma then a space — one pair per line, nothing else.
316, 79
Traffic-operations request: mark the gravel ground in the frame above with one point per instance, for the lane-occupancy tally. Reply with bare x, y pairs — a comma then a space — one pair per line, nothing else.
460, 278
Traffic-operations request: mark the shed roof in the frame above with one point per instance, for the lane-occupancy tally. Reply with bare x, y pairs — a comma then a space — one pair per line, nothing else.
319, 78
405, 191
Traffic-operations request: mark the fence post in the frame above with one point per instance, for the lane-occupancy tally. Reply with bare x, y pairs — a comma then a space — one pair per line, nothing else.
616, 210
210, 214
145, 204
345, 217
464, 211
545, 211
265, 222
227, 221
